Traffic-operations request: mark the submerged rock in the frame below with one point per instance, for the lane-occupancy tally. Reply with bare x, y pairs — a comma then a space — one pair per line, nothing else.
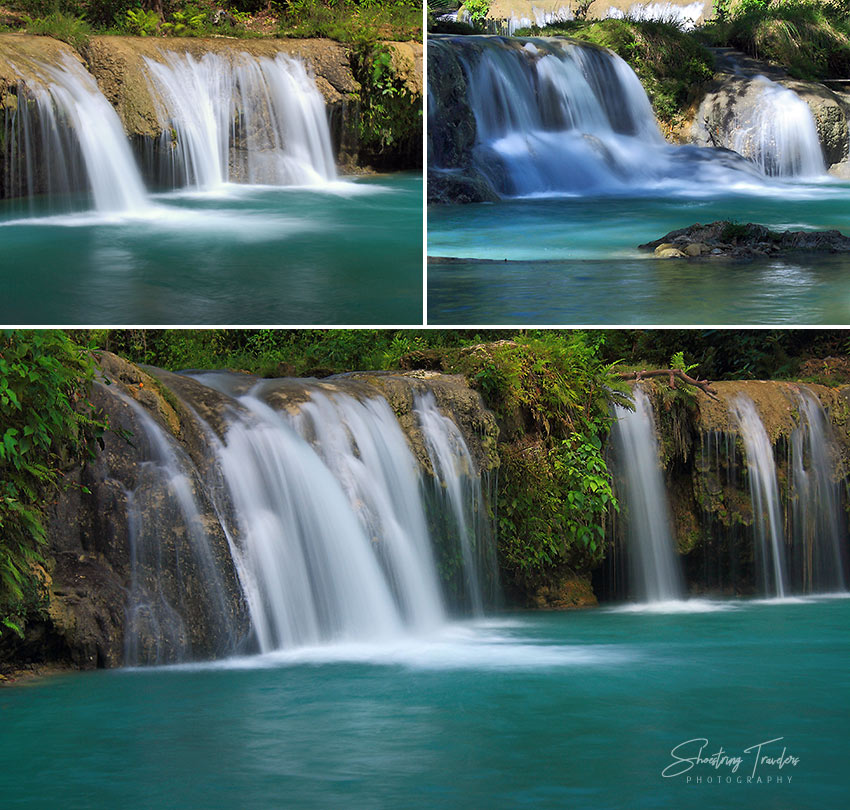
730, 239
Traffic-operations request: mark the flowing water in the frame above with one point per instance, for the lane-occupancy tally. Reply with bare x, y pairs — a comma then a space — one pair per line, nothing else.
553, 710
566, 136
242, 196
327, 516
819, 526
764, 493
342, 253
655, 569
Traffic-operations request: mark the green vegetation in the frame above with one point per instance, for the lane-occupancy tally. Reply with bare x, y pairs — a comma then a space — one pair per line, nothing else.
390, 121
350, 21
48, 424
810, 39
552, 394
670, 63
356, 22
73, 30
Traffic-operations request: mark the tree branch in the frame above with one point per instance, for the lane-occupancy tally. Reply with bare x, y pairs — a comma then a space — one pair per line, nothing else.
673, 374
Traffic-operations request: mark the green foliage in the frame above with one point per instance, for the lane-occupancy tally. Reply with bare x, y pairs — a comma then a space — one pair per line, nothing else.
141, 22
477, 9
191, 21
74, 30
553, 506
670, 63
810, 39
677, 361
390, 120
47, 423
358, 23
551, 392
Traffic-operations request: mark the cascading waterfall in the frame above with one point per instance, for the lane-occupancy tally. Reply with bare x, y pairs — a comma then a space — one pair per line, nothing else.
248, 120
455, 477
324, 511
151, 613
764, 493
778, 133
818, 526
64, 137
559, 117
655, 570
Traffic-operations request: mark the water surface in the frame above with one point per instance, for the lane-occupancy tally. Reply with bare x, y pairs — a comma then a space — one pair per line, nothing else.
532, 710
341, 253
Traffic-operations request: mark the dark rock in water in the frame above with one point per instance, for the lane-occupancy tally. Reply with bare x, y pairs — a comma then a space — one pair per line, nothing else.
446, 187
731, 239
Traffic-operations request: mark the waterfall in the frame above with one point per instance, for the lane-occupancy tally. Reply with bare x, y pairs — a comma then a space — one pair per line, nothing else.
776, 130
329, 518
64, 137
158, 613
558, 117
246, 119
656, 574
764, 495
818, 523
456, 480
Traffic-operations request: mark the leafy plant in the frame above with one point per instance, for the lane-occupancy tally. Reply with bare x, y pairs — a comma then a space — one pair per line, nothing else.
47, 422
76, 31
478, 9
141, 22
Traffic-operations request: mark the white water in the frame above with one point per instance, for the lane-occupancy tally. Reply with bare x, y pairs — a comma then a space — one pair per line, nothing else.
764, 495
247, 119
150, 612
655, 569
778, 133
456, 477
817, 518
364, 447
554, 118
76, 123
324, 510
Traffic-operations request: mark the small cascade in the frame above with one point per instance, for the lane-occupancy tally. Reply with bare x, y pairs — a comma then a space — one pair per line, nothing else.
457, 485
764, 493
654, 568
776, 130
64, 138
246, 120
559, 117
818, 524
170, 590
363, 445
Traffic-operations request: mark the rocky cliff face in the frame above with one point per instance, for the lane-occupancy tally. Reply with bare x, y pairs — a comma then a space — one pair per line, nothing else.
134, 576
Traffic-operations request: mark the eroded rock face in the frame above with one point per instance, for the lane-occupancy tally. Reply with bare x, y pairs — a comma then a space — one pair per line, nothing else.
133, 577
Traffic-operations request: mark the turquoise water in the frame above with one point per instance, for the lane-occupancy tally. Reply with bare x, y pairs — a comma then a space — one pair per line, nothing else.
532, 710
347, 254
575, 260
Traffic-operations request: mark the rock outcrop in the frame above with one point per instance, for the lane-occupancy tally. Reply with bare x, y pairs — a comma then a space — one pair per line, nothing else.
731, 240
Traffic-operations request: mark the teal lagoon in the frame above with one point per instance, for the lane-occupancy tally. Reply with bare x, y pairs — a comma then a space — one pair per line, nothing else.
605, 708
348, 252
571, 260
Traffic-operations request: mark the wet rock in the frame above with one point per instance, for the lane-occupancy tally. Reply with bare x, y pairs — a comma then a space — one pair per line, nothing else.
744, 241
